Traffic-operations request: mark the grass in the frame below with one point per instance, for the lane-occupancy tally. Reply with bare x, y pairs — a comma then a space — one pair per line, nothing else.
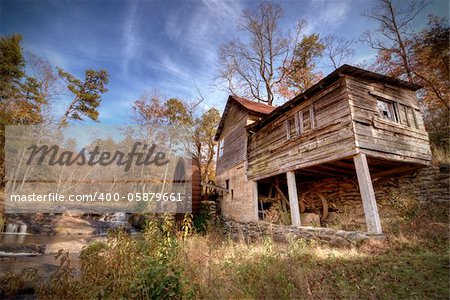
440, 155
412, 263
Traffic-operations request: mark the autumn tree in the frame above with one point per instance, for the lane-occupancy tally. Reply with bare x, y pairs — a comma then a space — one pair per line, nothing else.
50, 87
301, 73
149, 109
177, 113
87, 94
395, 24
204, 151
255, 66
202, 129
430, 66
153, 109
337, 50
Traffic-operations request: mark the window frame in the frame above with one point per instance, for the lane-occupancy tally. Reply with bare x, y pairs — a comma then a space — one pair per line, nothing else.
394, 112
299, 122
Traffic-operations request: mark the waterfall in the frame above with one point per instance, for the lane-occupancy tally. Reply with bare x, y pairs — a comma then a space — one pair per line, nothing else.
119, 217
11, 228
23, 228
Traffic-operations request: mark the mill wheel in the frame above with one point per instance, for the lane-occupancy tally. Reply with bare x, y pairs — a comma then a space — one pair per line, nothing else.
314, 201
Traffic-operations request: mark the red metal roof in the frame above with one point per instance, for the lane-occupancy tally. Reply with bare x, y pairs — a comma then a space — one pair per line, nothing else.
254, 106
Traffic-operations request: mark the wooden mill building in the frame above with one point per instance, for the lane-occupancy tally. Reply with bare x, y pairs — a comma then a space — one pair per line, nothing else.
353, 123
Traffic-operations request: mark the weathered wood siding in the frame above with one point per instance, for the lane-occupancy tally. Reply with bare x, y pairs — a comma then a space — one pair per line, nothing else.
234, 138
405, 140
270, 152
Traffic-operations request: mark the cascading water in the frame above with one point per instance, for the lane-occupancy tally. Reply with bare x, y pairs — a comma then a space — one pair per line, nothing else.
11, 228
119, 217
23, 228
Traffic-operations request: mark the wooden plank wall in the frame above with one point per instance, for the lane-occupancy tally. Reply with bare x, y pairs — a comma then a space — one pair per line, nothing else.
270, 152
234, 136
383, 138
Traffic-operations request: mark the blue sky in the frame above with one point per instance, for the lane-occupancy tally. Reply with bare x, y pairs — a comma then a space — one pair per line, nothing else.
170, 46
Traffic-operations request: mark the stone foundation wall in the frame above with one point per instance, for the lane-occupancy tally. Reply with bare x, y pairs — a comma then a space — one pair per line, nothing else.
426, 184
255, 231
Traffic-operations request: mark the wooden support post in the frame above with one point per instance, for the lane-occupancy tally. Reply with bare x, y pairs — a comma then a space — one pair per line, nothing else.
293, 198
255, 199
367, 194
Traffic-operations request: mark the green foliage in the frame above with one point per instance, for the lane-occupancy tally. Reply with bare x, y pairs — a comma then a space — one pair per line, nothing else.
123, 267
20, 99
187, 226
177, 113
87, 94
200, 221
13, 283
12, 65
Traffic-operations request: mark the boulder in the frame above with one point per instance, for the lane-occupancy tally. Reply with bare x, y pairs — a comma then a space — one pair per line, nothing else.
72, 226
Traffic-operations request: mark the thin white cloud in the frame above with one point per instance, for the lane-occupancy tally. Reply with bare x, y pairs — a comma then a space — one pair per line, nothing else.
130, 36
328, 15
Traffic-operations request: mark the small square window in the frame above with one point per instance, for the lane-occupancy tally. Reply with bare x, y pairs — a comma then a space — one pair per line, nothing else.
387, 110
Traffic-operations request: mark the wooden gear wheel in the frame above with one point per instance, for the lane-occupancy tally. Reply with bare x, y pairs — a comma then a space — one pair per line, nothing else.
314, 201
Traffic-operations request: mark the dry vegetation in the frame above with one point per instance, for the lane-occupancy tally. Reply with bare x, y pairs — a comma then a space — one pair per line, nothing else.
412, 263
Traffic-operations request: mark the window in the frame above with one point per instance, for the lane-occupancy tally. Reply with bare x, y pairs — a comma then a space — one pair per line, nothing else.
397, 112
227, 184
402, 114
387, 110
411, 117
291, 130
303, 121
221, 148
306, 120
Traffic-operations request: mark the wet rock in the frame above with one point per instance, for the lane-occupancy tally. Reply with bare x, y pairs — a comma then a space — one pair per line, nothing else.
74, 246
21, 250
72, 226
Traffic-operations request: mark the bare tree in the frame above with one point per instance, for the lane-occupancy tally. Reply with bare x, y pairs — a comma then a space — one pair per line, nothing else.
337, 50
395, 19
253, 68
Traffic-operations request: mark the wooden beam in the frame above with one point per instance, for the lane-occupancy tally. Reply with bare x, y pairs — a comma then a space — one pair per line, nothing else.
337, 170
255, 199
391, 171
216, 187
293, 198
315, 171
283, 197
345, 165
367, 194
